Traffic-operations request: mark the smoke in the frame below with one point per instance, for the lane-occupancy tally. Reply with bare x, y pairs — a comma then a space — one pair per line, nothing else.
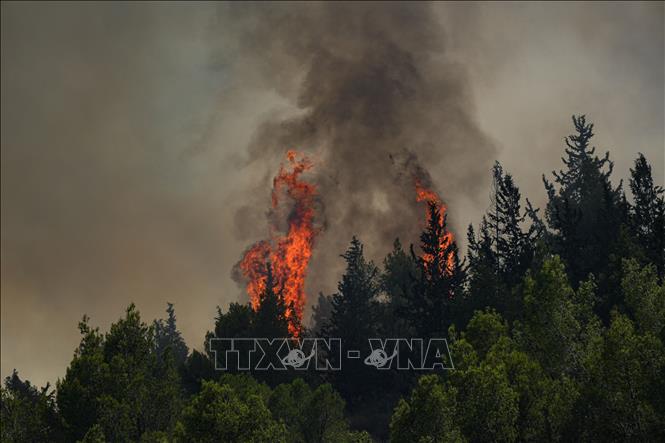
374, 98
124, 142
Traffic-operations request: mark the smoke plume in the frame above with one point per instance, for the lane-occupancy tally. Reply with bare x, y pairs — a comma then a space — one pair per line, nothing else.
376, 102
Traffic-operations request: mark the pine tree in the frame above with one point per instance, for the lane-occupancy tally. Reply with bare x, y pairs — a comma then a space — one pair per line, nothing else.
439, 281
623, 399
218, 413
353, 319
270, 319
648, 213
235, 323
28, 414
583, 209
85, 381
352, 306
116, 382
397, 286
483, 268
504, 250
167, 336
514, 245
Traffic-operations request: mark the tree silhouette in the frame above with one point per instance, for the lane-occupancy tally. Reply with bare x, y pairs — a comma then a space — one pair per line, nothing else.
648, 214
439, 279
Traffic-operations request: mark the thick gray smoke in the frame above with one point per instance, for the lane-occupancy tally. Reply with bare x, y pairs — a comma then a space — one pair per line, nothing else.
104, 103
376, 100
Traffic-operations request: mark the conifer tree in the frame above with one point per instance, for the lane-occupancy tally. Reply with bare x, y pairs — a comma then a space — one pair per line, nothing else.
583, 209
353, 320
397, 286
352, 316
648, 213
115, 381
483, 268
28, 414
235, 323
439, 281
270, 319
503, 252
168, 336
514, 244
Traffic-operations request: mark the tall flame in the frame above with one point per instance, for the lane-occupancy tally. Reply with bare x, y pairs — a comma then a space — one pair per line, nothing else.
287, 254
424, 194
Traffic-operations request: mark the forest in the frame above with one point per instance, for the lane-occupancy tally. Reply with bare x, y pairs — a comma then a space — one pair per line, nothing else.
555, 318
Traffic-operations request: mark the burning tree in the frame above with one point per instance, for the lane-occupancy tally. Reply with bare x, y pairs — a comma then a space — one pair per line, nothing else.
440, 274
439, 251
285, 256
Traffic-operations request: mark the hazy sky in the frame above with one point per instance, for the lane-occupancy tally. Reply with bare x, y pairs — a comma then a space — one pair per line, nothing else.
129, 138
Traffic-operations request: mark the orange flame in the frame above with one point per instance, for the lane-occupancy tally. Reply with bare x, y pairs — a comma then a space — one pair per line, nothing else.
288, 254
424, 194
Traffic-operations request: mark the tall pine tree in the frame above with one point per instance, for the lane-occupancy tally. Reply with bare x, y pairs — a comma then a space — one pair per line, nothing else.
167, 336
353, 320
439, 279
352, 316
397, 287
270, 317
483, 268
583, 209
648, 213
504, 249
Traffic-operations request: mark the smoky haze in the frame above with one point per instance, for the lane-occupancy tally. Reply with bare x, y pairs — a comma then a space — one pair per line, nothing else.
375, 97
139, 140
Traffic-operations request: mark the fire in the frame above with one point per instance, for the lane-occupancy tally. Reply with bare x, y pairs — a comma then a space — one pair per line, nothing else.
287, 254
423, 194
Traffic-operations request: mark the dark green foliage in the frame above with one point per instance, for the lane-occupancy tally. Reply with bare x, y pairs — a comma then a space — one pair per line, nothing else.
237, 322
504, 248
625, 392
484, 284
353, 320
352, 306
514, 242
558, 376
117, 382
310, 415
397, 285
241, 321
583, 211
94, 435
168, 337
645, 298
269, 320
428, 415
552, 327
239, 408
484, 329
27, 414
218, 413
78, 393
198, 367
648, 213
